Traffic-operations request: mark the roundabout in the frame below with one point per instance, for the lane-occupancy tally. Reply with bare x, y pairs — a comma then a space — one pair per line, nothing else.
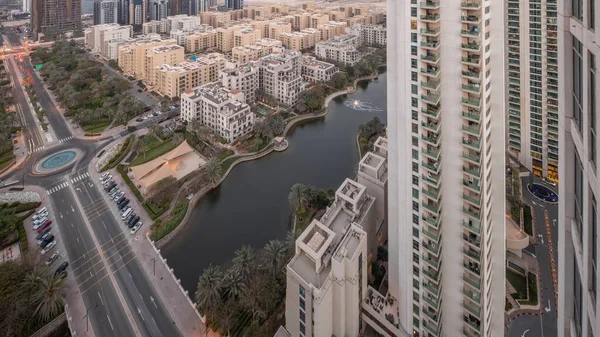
56, 161
543, 193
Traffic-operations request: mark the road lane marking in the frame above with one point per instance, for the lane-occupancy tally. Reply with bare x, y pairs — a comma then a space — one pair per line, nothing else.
109, 322
140, 312
100, 296
152, 300
524, 332
77, 239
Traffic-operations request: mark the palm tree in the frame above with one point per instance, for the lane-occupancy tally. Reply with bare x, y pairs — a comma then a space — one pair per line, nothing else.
208, 294
33, 279
213, 170
297, 197
290, 239
273, 255
144, 145
49, 297
244, 260
177, 137
232, 283
156, 129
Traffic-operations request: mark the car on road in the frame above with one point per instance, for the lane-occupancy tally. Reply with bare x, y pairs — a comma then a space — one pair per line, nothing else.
133, 221
42, 227
47, 241
48, 248
136, 227
42, 233
140, 90
61, 268
52, 258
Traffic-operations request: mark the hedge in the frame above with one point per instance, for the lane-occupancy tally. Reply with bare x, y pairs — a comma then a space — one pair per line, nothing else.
120, 155
123, 171
163, 228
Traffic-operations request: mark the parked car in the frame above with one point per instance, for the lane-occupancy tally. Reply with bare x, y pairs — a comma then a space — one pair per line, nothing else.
118, 201
47, 241
133, 221
118, 195
52, 258
136, 227
104, 175
40, 221
46, 224
42, 233
61, 268
44, 238
124, 203
42, 210
129, 217
40, 215
125, 210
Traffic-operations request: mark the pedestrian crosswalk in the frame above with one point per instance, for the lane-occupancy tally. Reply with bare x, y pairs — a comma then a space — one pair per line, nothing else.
37, 149
80, 177
65, 139
57, 188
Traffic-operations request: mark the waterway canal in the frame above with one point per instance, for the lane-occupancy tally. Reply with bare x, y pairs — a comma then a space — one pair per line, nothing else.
251, 205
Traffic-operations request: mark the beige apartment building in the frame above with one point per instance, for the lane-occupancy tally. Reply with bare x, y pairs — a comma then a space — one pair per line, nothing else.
278, 28
279, 76
132, 55
242, 77
171, 54
318, 19
172, 80
225, 38
98, 37
200, 41
245, 36
262, 48
339, 49
305, 39
215, 19
301, 21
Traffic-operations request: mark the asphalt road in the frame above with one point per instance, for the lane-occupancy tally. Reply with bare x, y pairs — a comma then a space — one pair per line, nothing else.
544, 325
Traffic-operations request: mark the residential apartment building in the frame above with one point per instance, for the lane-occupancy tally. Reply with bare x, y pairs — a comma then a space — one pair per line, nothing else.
327, 277
98, 38
532, 86
305, 39
169, 54
262, 48
301, 21
446, 171
278, 28
579, 187
234, 4
331, 30
242, 77
132, 55
245, 36
314, 70
199, 41
318, 19
52, 19
156, 27
173, 80
339, 49
221, 109
106, 11
183, 22
370, 34
279, 76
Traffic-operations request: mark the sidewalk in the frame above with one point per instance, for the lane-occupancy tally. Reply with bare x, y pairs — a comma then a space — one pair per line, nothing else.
160, 275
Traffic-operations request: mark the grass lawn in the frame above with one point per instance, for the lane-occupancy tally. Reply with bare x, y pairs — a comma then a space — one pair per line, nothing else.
520, 284
154, 210
155, 151
227, 162
96, 127
122, 153
163, 227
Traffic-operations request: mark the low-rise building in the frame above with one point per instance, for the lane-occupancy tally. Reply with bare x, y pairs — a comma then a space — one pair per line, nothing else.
278, 28
370, 34
342, 49
305, 39
331, 30
224, 111
173, 80
243, 77
279, 76
327, 277
180, 35
170, 54
132, 54
156, 27
314, 70
318, 19
198, 41
245, 36
98, 38
262, 48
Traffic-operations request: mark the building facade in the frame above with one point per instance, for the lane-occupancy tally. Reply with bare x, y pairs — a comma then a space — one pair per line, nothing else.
221, 109
280, 76
106, 11
173, 80
327, 277
532, 86
234, 4
340, 49
159, 9
446, 161
579, 188
132, 55
99, 37
314, 70
370, 34
55, 19
242, 77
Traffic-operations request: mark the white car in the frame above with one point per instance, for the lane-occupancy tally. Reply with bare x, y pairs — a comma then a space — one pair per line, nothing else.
48, 247
136, 227
52, 259
125, 210
104, 175
38, 223
40, 216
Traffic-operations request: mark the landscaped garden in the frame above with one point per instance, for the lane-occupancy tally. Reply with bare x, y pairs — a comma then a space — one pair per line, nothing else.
368, 134
526, 287
11, 223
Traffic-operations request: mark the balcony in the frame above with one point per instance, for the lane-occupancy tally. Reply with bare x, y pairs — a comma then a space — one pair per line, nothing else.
430, 32
432, 234
432, 328
430, 4
432, 289
430, 18
472, 296
473, 159
472, 214
431, 314
431, 127
472, 254
473, 61
431, 179
430, 71
472, 143
475, 172
431, 153
471, 309
472, 267
473, 88
432, 248
466, 333
434, 276
472, 282
472, 116
472, 185
431, 98
469, 33
472, 322
430, 45
430, 58
432, 140
473, 240
473, 131
470, 5
434, 222
433, 303
472, 102
472, 47
433, 194
472, 75
433, 262
472, 227
431, 112
472, 200
431, 167
431, 84
470, 19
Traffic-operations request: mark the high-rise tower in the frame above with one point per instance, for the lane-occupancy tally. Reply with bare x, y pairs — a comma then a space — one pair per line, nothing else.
446, 166
532, 83
579, 188
52, 19
106, 11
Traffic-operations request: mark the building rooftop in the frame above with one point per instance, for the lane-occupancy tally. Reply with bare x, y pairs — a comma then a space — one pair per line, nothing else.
313, 63
219, 95
164, 49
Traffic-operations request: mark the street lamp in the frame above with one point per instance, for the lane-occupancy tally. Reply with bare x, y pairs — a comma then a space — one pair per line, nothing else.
87, 318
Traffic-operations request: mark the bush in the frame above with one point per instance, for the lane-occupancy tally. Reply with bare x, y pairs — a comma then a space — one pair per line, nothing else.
120, 155
163, 228
528, 220
122, 169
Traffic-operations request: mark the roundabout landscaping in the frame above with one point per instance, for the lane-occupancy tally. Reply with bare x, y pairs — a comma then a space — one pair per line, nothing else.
543, 193
56, 161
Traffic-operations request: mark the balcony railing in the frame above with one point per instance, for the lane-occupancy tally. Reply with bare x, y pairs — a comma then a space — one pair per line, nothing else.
435, 195
471, 158
472, 185
432, 179
472, 282
432, 84
470, 5
425, 31
473, 88
473, 241
473, 172
472, 268
470, 18
474, 102
431, 139
430, 71
430, 45
431, 98
472, 143
472, 254
431, 167
430, 17
472, 227
433, 248
473, 33
433, 303
471, 60
432, 153
474, 201
431, 221
471, 309
431, 112
471, 214
430, 4
471, 74
471, 46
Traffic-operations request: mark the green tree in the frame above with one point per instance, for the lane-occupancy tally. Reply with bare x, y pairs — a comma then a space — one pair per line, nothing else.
233, 283
298, 196
49, 297
156, 129
339, 80
244, 260
290, 240
272, 256
213, 170
143, 145
163, 191
208, 294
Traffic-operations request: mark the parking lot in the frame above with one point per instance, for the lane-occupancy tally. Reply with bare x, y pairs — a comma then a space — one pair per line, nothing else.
120, 203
